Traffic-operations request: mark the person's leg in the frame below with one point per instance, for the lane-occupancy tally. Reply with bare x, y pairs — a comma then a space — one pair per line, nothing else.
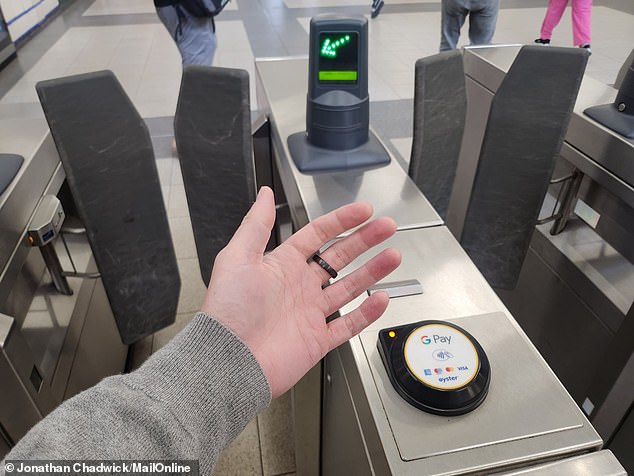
581, 22
194, 37
482, 20
197, 43
169, 18
554, 13
452, 18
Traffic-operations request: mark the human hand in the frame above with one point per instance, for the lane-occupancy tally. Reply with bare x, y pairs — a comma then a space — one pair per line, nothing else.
275, 302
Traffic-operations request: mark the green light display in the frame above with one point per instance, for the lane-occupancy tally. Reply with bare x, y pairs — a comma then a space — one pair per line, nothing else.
337, 76
329, 47
338, 57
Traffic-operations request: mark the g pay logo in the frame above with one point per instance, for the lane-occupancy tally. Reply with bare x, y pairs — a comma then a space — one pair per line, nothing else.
436, 338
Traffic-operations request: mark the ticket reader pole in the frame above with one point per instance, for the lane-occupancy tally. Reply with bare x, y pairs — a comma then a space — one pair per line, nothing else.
337, 135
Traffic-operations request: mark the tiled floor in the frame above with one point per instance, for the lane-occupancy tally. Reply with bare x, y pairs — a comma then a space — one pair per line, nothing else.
126, 37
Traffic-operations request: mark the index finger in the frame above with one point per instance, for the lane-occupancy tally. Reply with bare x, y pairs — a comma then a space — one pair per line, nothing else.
320, 231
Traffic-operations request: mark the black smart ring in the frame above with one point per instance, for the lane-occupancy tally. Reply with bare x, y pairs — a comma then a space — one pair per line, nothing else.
322, 262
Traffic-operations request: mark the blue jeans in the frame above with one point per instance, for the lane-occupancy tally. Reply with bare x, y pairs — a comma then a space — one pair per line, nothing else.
194, 37
482, 18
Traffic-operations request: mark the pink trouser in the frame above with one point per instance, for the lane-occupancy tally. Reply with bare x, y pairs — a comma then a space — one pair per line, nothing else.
581, 20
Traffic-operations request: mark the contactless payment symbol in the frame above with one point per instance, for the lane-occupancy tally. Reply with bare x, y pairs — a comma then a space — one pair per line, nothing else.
442, 354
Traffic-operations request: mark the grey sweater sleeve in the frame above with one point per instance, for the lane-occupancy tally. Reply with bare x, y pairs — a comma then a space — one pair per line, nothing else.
188, 401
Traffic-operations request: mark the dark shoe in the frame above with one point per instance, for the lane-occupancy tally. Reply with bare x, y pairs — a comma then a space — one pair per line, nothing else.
542, 41
376, 8
587, 47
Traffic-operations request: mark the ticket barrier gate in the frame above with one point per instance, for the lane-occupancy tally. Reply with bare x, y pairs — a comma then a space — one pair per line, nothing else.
53, 344
574, 297
348, 416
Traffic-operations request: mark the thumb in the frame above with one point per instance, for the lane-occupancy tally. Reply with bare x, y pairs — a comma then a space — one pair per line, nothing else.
254, 232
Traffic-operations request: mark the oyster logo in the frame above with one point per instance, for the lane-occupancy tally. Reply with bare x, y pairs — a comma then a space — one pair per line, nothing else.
425, 339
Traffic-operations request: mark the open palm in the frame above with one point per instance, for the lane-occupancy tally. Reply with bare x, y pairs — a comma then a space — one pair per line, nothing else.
275, 302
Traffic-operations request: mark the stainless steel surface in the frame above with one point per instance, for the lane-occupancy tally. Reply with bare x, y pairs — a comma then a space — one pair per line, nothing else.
47, 320
611, 200
610, 150
547, 426
599, 174
6, 324
600, 263
491, 64
49, 254
281, 86
282, 95
568, 195
604, 147
453, 285
30, 139
22, 266
17, 413
57, 344
48, 324
597, 151
478, 106
306, 401
585, 274
42, 230
599, 463
398, 288
100, 352
497, 432
52, 351
455, 289
341, 419
485, 69
610, 194
524, 401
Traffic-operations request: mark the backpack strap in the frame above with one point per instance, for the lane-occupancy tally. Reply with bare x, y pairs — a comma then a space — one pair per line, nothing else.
181, 17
